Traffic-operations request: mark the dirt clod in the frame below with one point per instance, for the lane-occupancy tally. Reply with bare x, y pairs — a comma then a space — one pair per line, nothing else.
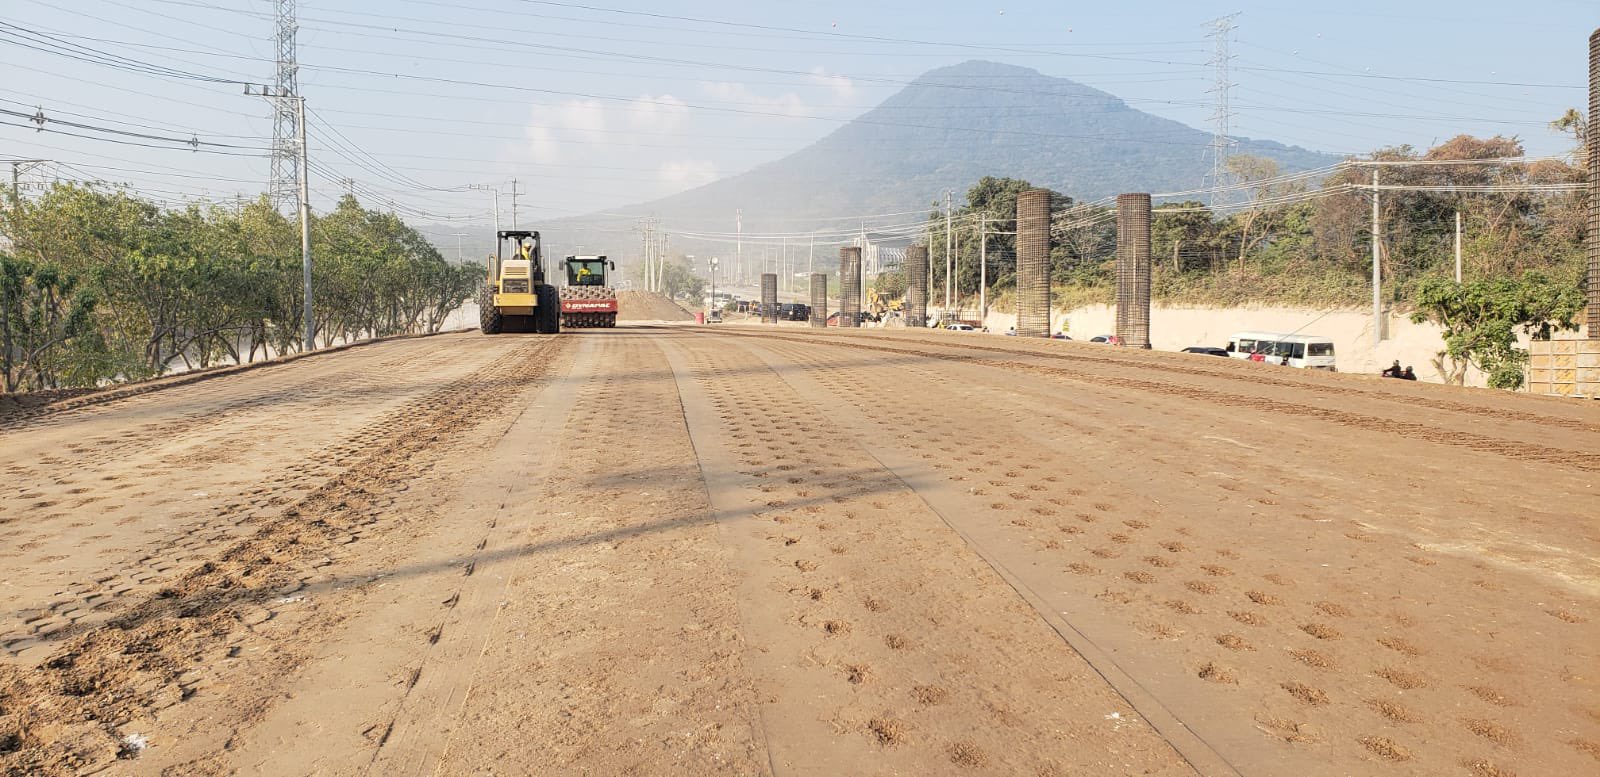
967, 754
1386, 748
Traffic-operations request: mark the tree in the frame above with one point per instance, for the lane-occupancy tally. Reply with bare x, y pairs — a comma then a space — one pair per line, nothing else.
1254, 224
42, 309
1481, 319
890, 284
1185, 234
678, 281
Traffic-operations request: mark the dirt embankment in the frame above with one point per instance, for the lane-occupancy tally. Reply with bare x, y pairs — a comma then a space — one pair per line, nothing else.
649, 306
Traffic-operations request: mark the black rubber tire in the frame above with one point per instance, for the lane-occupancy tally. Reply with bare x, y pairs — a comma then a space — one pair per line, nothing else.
547, 310
490, 321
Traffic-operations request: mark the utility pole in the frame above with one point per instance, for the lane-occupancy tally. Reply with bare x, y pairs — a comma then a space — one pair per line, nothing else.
861, 271
1458, 245
787, 276
983, 270
459, 235
947, 243
1377, 279
647, 255
661, 261
305, 224
811, 258
738, 267
514, 193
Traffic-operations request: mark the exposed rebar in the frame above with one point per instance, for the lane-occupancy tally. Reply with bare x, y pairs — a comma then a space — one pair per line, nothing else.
819, 299
1033, 263
769, 298
1593, 145
916, 267
1133, 270
849, 286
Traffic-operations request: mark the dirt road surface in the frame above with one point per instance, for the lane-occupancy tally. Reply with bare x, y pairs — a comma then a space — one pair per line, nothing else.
744, 551
649, 306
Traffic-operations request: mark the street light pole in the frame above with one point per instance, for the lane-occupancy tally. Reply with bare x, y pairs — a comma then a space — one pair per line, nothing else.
714, 307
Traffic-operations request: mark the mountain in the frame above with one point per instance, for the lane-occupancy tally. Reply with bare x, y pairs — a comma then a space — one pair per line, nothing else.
955, 125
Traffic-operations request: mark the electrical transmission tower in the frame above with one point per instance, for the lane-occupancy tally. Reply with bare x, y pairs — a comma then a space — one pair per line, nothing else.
1222, 35
283, 186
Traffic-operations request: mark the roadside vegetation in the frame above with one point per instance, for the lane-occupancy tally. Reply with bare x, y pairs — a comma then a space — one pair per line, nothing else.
98, 285
1279, 244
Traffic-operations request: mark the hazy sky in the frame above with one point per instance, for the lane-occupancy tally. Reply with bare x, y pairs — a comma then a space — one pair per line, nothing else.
602, 103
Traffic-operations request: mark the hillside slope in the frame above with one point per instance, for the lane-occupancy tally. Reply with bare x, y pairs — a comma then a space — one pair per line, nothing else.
956, 124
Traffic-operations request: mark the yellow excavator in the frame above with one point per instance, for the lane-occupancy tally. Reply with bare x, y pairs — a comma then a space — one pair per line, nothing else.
515, 296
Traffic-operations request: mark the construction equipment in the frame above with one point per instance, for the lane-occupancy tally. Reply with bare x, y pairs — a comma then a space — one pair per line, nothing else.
587, 299
516, 297
881, 305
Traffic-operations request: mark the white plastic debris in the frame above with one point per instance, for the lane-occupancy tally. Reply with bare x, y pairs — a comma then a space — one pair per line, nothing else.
135, 743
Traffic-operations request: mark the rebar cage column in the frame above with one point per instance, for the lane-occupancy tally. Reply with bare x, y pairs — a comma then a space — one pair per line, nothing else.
769, 298
916, 267
1133, 270
1033, 263
819, 299
849, 286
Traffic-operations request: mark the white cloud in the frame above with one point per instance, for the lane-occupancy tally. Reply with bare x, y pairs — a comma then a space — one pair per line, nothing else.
787, 104
687, 173
842, 86
582, 117
661, 114
542, 146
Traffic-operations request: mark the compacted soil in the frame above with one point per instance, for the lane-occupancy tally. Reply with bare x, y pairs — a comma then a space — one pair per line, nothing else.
747, 550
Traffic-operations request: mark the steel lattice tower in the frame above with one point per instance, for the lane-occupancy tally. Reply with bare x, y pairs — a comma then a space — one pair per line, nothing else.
1222, 118
283, 187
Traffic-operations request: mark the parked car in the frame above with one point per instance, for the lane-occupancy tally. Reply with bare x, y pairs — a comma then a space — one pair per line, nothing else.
794, 311
960, 327
1207, 350
1106, 339
1060, 336
861, 318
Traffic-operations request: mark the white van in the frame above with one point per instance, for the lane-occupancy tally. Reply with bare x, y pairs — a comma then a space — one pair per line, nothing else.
1306, 352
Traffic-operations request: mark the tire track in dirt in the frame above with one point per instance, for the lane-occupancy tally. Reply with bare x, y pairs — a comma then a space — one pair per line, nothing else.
1356, 660
615, 637
1170, 363
894, 646
114, 576
1524, 451
70, 713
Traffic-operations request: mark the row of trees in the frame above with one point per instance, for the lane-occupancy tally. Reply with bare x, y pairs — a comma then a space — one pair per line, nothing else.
99, 285
1283, 243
